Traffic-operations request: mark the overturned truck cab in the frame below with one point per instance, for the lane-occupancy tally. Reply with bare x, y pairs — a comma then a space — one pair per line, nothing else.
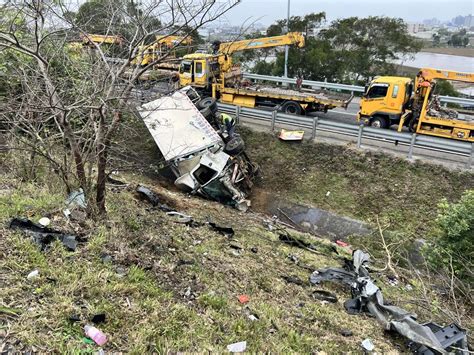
195, 151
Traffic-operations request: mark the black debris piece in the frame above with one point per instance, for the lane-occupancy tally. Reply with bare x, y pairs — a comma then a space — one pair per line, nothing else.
226, 231
368, 298
182, 262
290, 240
153, 199
98, 318
323, 295
293, 280
43, 236
254, 250
346, 332
75, 318
116, 182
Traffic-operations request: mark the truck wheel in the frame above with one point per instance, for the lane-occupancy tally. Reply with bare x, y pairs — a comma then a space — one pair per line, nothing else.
292, 108
207, 102
379, 122
206, 112
235, 146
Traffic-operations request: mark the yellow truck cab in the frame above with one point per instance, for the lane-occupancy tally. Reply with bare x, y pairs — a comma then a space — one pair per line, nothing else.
197, 69
414, 104
385, 100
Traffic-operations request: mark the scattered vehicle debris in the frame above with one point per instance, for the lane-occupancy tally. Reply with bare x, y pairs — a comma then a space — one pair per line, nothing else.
195, 152
291, 135
237, 347
342, 243
95, 334
98, 318
323, 295
76, 198
346, 332
293, 280
74, 318
243, 299
451, 337
43, 236
226, 231
180, 217
32, 275
44, 221
290, 240
368, 298
368, 345
153, 199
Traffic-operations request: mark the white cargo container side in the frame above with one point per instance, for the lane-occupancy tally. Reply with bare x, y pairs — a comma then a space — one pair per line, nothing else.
177, 126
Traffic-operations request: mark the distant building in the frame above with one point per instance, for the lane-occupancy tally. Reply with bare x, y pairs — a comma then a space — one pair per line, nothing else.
432, 22
469, 21
415, 27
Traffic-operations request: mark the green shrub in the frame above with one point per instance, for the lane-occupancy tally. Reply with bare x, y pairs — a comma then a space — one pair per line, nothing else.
454, 237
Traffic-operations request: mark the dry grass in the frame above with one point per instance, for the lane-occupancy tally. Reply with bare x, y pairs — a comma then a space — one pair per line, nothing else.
170, 286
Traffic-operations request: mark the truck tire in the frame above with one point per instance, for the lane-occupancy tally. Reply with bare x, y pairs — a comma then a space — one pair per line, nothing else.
235, 146
379, 122
292, 108
207, 102
206, 112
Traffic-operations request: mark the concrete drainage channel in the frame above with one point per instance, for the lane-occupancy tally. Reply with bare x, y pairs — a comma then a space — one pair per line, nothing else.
317, 221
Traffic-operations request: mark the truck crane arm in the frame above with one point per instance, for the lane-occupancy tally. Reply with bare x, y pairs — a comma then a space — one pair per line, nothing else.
291, 38
429, 74
171, 40
98, 39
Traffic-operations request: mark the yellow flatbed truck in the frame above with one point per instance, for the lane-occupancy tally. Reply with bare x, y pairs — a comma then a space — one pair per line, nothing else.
214, 74
392, 100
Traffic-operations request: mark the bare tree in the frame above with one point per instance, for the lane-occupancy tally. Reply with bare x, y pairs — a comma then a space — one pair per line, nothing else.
70, 102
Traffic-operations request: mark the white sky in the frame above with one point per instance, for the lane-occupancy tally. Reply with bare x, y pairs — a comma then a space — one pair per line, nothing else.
266, 11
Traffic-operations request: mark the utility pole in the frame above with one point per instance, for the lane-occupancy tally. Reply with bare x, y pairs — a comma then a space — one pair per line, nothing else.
287, 30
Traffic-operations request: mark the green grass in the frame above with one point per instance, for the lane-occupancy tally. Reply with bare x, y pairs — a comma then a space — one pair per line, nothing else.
170, 287
361, 185
147, 303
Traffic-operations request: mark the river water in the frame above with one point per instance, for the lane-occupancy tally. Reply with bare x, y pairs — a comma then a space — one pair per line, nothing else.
439, 61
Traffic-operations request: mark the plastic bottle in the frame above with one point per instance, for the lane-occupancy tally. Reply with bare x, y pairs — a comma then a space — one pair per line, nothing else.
95, 334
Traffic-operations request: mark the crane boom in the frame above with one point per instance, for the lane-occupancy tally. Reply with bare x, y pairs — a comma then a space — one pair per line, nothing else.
430, 74
291, 38
170, 40
109, 39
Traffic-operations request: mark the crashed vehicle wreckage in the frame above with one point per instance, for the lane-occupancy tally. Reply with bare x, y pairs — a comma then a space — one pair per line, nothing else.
205, 162
427, 339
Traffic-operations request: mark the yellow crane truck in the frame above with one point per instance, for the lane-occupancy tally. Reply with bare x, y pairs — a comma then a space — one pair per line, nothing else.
392, 100
214, 74
163, 44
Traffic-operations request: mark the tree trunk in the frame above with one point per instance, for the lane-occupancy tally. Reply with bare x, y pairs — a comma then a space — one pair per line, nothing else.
103, 142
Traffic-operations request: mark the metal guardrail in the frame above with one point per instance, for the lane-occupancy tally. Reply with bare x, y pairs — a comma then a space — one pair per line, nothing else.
343, 87
315, 124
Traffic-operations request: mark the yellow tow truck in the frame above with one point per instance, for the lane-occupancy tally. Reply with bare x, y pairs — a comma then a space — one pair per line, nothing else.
392, 100
214, 74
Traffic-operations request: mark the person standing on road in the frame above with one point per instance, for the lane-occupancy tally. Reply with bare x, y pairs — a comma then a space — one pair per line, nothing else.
229, 123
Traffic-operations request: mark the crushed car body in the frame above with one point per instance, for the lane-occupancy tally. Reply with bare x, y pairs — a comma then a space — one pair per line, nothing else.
204, 162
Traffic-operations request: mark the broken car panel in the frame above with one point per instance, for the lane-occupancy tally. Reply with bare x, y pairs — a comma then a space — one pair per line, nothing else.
367, 298
196, 152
